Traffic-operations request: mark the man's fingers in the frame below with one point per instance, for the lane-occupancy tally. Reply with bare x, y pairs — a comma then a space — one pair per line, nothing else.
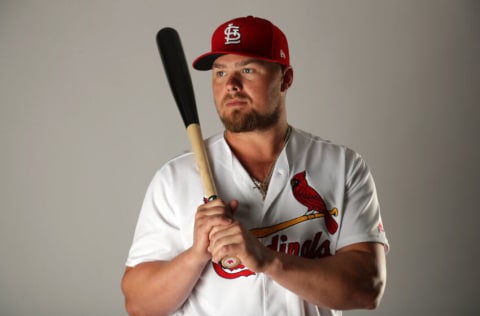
226, 237
233, 206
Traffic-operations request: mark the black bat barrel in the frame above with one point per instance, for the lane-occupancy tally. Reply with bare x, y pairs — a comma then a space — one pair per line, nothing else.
178, 75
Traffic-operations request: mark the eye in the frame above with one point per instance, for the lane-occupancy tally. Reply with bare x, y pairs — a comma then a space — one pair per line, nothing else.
248, 70
220, 73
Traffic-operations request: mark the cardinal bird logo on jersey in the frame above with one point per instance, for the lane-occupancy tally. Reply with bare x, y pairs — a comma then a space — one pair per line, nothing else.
307, 195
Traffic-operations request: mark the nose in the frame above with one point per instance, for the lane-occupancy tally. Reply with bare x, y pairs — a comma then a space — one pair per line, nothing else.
233, 83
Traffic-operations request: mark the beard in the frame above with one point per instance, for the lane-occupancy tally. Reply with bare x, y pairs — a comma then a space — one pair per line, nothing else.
239, 122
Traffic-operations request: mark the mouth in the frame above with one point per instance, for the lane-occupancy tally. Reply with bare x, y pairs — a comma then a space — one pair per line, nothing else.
235, 102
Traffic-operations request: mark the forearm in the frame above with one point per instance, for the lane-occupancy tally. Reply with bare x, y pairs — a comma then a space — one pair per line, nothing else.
161, 287
348, 280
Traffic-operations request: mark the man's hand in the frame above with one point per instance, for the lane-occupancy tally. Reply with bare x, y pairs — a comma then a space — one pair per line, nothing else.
212, 214
231, 239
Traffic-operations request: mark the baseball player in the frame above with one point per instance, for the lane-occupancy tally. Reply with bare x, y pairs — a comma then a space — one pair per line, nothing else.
300, 214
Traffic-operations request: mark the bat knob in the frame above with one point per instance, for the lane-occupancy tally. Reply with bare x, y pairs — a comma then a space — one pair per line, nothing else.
229, 262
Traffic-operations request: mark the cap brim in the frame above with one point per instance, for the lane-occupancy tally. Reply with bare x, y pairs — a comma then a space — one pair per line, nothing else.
205, 61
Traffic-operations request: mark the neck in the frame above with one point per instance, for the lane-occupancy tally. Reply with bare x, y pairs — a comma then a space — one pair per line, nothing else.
258, 150
259, 143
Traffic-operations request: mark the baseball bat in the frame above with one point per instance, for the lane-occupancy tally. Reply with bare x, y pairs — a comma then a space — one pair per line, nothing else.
178, 76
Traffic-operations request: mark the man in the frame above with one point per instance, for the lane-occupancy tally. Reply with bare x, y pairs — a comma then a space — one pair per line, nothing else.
300, 213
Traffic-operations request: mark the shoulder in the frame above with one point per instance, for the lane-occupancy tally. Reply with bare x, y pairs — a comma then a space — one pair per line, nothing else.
184, 163
315, 149
301, 139
214, 140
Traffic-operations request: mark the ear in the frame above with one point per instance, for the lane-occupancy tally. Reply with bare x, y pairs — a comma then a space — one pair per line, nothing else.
287, 78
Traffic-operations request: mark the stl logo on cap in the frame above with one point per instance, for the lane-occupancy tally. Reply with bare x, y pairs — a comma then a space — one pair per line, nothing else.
232, 34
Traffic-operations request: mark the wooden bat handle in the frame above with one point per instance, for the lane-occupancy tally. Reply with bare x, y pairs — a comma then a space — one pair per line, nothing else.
196, 139
198, 145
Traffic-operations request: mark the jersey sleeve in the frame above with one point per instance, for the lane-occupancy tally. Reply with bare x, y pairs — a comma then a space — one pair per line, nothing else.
362, 221
157, 230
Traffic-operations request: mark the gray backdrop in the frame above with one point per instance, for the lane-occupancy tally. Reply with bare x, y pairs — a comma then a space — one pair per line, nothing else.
86, 118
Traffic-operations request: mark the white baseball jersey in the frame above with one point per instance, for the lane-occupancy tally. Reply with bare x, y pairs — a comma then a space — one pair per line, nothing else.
339, 209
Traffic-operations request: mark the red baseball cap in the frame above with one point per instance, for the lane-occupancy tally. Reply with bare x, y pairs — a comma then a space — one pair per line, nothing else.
247, 36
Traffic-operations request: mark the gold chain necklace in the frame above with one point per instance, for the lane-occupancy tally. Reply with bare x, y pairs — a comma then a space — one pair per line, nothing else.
262, 186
